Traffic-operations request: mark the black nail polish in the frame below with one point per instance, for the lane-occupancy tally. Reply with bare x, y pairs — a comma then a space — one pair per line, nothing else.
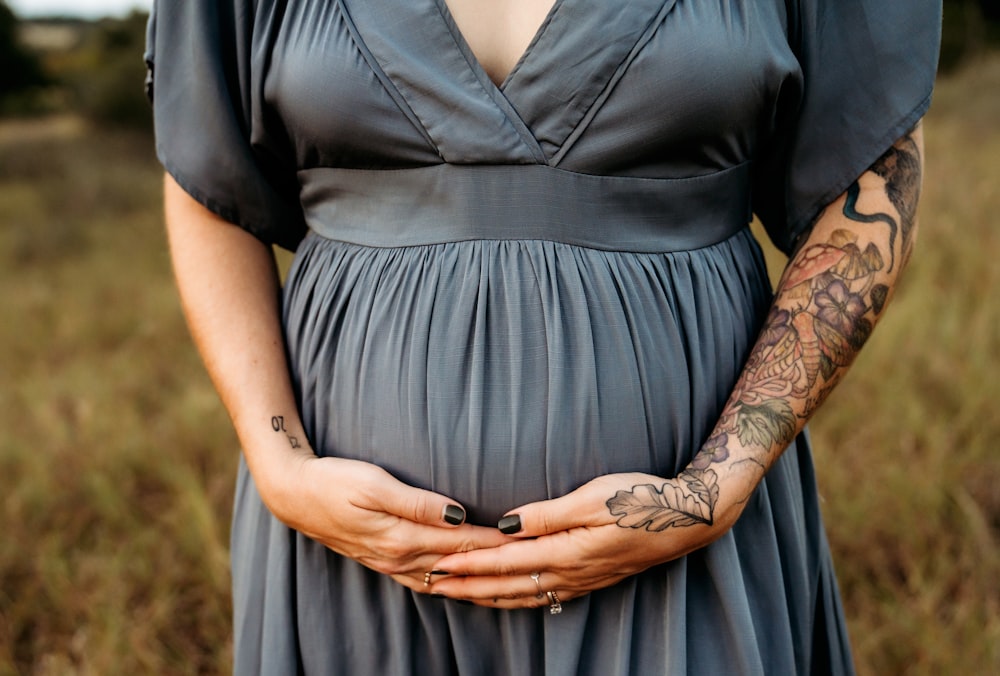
510, 524
454, 515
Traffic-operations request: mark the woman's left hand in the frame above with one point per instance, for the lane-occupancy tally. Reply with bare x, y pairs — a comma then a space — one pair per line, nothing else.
613, 527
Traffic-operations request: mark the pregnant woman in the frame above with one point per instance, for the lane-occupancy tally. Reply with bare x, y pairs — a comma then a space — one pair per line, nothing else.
526, 403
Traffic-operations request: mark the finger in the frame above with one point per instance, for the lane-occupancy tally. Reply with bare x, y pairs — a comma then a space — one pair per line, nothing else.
583, 507
417, 505
543, 604
520, 588
513, 592
446, 541
418, 583
518, 557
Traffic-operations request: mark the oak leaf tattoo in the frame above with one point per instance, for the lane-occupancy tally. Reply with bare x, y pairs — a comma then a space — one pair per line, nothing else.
686, 502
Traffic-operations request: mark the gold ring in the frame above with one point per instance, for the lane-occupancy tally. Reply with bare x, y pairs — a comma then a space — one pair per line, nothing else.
555, 607
540, 594
427, 579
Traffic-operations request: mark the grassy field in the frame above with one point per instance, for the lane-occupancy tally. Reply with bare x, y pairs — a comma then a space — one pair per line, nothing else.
117, 462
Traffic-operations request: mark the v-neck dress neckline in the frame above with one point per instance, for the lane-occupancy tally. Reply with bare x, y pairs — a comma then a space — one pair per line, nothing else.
474, 62
571, 66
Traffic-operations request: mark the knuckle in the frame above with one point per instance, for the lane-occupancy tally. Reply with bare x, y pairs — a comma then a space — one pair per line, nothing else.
419, 507
392, 566
396, 549
468, 545
396, 568
507, 570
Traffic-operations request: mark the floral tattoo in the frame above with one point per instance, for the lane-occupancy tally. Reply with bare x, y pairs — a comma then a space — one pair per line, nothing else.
829, 298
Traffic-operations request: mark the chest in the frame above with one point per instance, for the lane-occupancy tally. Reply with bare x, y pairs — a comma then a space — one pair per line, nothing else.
499, 32
662, 88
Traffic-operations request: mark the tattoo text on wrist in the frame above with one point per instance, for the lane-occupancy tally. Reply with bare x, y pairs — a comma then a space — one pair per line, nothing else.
278, 425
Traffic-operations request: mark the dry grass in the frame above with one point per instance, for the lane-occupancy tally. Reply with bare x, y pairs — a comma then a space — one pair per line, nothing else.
116, 460
906, 448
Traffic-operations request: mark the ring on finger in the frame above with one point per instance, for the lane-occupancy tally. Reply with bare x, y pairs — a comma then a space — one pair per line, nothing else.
538, 585
555, 607
427, 579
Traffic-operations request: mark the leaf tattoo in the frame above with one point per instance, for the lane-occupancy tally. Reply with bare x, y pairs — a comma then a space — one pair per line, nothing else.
770, 422
687, 501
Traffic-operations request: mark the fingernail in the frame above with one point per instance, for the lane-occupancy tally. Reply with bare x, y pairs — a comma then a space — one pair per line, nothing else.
510, 524
454, 515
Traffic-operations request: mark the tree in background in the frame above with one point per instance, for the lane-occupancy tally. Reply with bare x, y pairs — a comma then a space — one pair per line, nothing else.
109, 82
20, 69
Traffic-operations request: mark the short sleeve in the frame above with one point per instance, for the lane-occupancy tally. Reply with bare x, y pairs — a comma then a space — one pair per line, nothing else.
210, 132
867, 72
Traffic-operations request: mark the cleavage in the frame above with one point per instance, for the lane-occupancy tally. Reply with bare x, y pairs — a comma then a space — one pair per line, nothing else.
499, 32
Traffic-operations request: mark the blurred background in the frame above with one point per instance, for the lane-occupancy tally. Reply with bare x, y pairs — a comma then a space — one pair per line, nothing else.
117, 460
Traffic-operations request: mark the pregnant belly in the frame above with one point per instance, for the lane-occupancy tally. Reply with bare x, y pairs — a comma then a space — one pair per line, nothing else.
503, 372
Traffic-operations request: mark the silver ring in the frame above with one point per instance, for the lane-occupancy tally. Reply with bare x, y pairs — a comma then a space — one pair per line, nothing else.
538, 584
554, 606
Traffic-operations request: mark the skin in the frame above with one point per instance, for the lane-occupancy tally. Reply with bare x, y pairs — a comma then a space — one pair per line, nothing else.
833, 292
498, 32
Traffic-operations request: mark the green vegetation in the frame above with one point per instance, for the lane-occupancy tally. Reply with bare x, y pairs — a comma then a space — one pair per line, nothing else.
117, 460
94, 69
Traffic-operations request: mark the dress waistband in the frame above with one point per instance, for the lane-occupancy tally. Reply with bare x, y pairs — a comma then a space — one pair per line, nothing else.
451, 203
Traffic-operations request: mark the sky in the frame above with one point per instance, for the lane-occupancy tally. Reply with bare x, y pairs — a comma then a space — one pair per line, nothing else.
89, 9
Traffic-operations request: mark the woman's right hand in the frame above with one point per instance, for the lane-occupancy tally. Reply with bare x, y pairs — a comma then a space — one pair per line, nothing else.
362, 512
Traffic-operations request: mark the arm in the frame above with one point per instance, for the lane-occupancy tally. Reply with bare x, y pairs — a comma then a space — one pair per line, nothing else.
230, 292
229, 288
833, 291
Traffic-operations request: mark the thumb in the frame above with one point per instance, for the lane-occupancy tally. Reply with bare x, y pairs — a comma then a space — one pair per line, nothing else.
422, 506
583, 507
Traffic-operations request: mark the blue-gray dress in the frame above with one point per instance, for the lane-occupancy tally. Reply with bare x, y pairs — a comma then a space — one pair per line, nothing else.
504, 292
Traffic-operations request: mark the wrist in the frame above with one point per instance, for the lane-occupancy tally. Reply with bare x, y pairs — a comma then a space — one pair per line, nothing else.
738, 478
278, 461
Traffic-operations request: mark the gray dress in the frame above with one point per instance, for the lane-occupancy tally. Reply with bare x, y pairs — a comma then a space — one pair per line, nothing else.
504, 292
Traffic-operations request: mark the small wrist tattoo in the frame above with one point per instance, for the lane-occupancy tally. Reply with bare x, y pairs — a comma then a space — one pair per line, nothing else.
278, 425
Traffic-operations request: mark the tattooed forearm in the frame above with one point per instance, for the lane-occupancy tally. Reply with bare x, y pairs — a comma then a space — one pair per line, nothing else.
829, 298
278, 425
